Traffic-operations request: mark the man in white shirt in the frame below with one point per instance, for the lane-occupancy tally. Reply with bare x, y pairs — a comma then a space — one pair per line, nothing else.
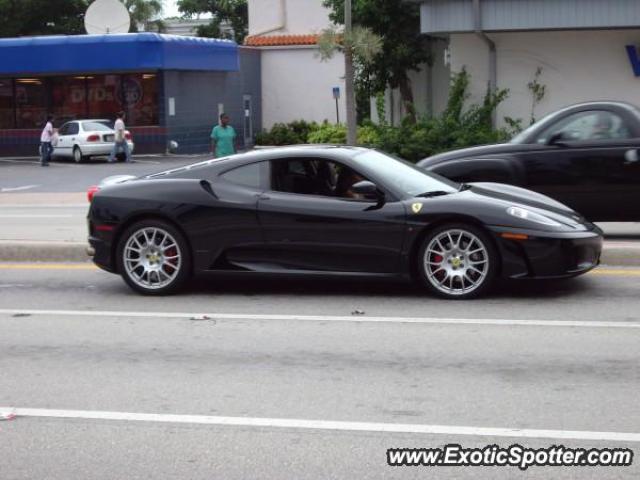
45, 142
121, 140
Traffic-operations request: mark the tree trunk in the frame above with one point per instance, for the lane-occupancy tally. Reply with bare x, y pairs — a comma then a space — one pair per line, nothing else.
350, 97
349, 79
406, 93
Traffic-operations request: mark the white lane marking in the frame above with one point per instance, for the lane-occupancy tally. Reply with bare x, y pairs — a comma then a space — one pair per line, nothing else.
55, 215
52, 205
324, 318
18, 189
41, 242
17, 160
151, 162
325, 425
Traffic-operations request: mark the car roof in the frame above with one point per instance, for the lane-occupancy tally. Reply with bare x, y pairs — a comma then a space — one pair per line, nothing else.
82, 120
271, 153
599, 104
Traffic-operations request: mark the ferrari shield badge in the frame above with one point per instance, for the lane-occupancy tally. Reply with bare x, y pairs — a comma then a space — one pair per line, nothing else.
416, 207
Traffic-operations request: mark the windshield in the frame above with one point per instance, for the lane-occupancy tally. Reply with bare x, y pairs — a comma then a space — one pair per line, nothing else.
95, 127
404, 176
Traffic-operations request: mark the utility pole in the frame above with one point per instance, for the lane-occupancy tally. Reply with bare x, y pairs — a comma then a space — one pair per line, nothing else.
349, 74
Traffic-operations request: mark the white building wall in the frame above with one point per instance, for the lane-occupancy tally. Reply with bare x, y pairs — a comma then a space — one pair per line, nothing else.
287, 17
297, 85
430, 89
577, 66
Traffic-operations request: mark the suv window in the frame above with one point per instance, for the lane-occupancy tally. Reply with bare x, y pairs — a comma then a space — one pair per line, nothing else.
590, 125
247, 175
315, 176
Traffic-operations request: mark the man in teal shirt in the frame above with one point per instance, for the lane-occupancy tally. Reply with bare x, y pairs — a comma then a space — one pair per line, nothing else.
223, 138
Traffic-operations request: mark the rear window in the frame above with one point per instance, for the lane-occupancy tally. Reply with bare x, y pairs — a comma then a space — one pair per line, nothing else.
96, 127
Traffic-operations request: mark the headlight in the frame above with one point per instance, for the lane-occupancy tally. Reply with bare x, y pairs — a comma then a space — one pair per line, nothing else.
532, 216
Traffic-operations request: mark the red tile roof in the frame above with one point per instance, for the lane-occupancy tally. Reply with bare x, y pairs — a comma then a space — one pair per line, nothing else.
280, 40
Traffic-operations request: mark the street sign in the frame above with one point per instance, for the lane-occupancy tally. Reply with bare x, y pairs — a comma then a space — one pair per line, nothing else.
336, 92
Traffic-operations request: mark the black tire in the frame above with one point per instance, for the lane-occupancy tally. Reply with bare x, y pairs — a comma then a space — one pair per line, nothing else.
183, 271
77, 155
456, 263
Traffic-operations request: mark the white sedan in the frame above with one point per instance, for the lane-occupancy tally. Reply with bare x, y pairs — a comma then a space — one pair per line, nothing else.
81, 139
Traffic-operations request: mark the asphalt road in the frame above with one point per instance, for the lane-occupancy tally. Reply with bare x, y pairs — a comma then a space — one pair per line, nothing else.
26, 175
279, 358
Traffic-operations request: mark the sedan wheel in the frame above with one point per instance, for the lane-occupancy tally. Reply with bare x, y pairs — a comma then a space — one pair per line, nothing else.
458, 261
153, 257
77, 155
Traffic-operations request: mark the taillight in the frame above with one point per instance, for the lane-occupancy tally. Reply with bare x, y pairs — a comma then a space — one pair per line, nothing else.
127, 135
93, 138
93, 189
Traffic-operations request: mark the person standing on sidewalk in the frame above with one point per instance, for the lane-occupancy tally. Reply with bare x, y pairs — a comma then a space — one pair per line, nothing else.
45, 142
120, 140
223, 138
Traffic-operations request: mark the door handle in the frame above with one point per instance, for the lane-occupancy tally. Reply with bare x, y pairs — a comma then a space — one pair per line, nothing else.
262, 196
631, 156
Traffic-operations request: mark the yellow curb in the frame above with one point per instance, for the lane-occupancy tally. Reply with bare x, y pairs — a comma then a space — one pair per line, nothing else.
612, 272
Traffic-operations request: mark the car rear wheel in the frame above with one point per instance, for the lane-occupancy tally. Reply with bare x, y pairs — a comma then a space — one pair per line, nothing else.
458, 261
153, 257
77, 155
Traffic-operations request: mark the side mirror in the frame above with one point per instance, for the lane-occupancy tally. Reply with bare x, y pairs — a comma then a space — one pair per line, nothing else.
558, 139
365, 187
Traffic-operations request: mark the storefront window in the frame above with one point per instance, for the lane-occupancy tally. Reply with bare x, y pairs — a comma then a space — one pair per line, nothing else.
25, 102
103, 96
139, 98
68, 98
6, 103
31, 102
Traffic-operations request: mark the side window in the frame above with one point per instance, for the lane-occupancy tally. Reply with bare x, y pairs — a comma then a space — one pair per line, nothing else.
248, 175
64, 129
591, 125
72, 129
314, 176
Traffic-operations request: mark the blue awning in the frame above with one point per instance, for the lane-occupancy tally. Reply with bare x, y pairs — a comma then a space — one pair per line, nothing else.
114, 53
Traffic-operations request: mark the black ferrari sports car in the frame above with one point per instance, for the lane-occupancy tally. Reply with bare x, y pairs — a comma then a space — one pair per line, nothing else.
327, 210
585, 156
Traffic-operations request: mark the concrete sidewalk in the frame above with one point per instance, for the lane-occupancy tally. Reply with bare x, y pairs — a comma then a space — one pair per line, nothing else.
52, 227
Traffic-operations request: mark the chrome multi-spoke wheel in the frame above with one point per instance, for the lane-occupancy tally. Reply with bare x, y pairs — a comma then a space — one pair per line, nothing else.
153, 257
457, 262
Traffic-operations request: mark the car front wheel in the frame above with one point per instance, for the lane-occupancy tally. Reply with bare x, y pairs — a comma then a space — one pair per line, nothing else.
458, 261
153, 257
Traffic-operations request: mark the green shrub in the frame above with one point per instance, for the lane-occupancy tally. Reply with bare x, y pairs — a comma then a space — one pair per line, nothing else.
328, 133
286, 133
369, 135
458, 126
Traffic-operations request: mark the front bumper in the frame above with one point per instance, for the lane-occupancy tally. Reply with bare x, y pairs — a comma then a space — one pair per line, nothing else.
548, 254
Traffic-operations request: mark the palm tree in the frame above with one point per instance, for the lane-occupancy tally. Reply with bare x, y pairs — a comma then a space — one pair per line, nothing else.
357, 44
144, 14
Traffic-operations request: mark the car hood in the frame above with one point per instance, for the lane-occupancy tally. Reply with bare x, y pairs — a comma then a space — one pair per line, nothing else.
482, 151
527, 198
521, 195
